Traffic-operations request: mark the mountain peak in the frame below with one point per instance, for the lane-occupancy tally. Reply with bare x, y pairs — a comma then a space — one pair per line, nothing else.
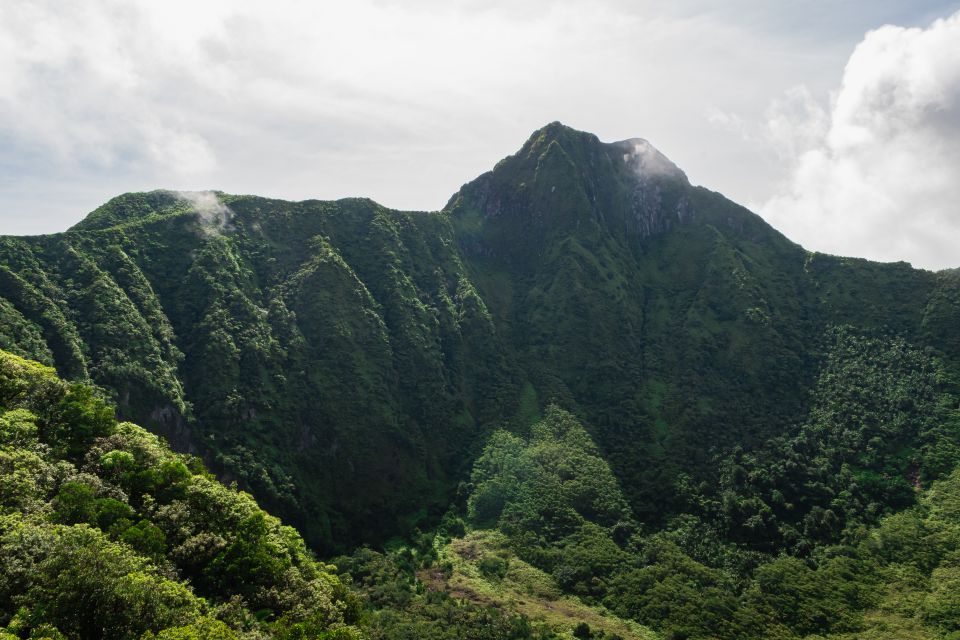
564, 182
558, 132
646, 160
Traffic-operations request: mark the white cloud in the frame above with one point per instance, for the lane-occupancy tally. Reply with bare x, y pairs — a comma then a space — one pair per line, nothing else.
214, 216
880, 176
795, 122
73, 87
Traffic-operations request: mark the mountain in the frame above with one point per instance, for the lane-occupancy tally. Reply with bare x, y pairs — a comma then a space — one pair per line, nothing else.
346, 362
587, 399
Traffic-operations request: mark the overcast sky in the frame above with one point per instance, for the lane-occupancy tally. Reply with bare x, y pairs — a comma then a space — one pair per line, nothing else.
838, 121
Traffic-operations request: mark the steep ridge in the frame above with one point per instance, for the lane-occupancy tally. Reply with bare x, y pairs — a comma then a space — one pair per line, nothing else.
678, 323
345, 361
326, 355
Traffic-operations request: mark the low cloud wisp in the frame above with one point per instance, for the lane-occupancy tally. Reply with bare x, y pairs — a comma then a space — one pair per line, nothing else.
215, 217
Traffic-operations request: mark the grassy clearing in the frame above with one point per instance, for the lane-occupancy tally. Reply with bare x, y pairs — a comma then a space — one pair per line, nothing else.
464, 571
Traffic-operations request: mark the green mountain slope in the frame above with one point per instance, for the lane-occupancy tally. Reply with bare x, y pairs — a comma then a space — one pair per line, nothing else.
346, 362
325, 355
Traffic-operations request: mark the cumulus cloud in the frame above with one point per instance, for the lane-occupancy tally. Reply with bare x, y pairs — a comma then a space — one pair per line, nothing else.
73, 89
879, 175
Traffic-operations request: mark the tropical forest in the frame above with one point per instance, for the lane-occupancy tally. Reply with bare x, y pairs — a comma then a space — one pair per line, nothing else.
585, 399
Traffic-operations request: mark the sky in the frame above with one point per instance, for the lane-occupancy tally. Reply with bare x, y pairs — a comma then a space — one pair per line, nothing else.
838, 121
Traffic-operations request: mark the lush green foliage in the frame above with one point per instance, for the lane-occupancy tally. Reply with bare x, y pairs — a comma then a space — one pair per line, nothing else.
400, 606
890, 581
105, 533
883, 422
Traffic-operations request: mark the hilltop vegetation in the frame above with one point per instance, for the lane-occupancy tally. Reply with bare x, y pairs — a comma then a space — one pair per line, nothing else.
105, 533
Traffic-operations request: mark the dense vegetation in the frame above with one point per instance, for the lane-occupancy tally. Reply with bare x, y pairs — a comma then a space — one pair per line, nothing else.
304, 352
586, 399
560, 509
105, 533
